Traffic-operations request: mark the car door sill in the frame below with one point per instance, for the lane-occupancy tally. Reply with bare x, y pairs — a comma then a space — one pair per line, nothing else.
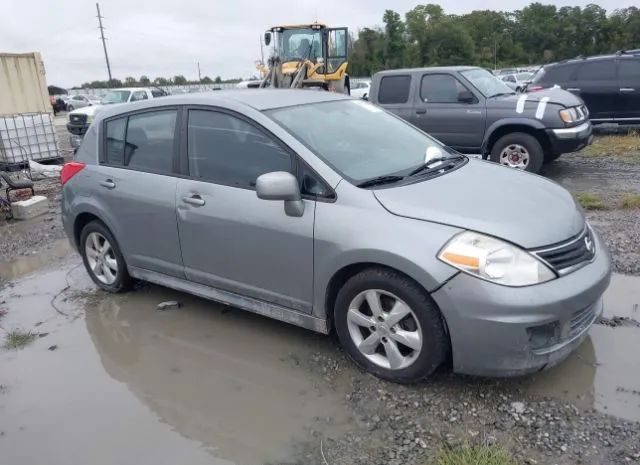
250, 304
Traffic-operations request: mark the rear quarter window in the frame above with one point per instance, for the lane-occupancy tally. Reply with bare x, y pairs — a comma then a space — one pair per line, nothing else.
394, 89
555, 74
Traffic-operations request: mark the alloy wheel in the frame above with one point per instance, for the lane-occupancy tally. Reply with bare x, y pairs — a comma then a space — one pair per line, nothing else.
515, 156
101, 258
384, 329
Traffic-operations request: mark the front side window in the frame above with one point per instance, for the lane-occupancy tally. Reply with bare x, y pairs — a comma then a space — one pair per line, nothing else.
441, 88
337, 49
394, 89
227, 150
358, 140
597, 71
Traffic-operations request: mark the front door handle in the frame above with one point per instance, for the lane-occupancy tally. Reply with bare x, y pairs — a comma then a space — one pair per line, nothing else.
421, 111
195, 200
574, 89
108, 183
627, 89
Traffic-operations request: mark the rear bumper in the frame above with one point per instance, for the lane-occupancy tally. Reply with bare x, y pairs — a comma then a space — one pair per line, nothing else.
504, 331
567, 140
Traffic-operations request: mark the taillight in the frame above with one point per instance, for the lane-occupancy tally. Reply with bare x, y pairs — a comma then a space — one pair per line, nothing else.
69, 170
534, 88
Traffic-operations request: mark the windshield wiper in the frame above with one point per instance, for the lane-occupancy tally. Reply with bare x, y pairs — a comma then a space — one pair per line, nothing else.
386, 179
429, 164
500, 94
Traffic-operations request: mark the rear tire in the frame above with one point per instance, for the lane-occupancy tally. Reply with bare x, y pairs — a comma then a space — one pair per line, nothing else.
415, 343
512, 149
103, 259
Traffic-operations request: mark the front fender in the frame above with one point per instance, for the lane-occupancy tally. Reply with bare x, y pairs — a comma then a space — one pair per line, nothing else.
513, 121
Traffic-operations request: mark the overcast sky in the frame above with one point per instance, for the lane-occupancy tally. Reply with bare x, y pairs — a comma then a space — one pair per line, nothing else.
168, 37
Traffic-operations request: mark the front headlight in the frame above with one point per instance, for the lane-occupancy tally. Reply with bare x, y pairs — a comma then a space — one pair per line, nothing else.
494, 260
90, 119
572, 115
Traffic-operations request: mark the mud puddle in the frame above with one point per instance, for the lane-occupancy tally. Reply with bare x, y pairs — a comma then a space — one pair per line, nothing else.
584, 177
13, 269
127, 383
604, 372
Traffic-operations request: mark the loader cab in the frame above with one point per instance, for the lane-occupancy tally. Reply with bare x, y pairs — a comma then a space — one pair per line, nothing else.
325, 47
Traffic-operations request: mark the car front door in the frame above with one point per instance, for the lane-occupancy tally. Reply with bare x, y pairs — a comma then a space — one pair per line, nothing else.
231, 239
135, 186
628, 107
596, 83
446, 109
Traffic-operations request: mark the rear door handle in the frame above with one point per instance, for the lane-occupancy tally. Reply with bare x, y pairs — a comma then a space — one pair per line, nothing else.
108, 183
421, 111
574, 89
195, 200
627, 89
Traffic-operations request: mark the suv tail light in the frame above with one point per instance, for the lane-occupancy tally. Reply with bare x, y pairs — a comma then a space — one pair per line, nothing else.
69, 170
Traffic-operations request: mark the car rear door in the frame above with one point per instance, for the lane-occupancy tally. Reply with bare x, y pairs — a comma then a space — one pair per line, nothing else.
231, 239
448, 110
596, 83
135, 186
628, 107
392, 93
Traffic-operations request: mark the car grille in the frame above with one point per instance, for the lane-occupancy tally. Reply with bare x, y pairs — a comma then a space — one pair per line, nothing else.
78, 118
581, 320
570, 255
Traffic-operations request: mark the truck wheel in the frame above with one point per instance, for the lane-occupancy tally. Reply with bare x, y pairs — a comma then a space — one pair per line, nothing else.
518, 150
390, 326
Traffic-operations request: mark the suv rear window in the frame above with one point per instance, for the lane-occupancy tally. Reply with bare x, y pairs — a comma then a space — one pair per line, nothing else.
600, 70
394, 89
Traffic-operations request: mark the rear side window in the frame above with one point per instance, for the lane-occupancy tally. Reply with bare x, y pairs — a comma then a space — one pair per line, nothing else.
440, 88
629, 70
394, 89
114, 146
227, 150
143, 142
150, 141
601, 70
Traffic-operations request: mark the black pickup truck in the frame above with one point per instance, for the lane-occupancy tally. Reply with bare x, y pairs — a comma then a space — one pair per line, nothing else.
470, 110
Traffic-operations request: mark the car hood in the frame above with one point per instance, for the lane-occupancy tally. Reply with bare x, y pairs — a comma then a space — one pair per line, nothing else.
554, 95
522, 208
89, 110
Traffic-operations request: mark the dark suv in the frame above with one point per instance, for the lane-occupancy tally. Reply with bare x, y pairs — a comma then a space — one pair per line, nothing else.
608, 84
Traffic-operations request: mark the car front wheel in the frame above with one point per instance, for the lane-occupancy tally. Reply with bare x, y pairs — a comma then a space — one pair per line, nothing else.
390, 326
102, 258
518, 150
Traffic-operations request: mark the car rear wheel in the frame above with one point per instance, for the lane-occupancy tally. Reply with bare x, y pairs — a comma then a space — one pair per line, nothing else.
518, 150
102, 258
390, 326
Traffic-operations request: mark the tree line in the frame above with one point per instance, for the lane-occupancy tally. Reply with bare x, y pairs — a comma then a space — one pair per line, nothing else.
536, 34
144, 81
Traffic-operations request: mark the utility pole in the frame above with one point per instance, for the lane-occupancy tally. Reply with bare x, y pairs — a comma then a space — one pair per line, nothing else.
199, 76
104, 44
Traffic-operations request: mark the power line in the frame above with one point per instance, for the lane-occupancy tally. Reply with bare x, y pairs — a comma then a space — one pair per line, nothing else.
104, 44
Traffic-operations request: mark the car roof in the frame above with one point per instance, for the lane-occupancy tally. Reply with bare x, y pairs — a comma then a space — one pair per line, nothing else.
452, 69
259, 99
610, 56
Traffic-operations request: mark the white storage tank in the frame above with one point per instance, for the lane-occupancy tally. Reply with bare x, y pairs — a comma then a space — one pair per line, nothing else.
24, 137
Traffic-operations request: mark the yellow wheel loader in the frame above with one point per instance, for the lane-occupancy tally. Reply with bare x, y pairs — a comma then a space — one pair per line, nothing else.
306, 56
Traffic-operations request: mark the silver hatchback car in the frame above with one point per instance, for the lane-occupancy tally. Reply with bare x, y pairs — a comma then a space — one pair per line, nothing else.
330, 213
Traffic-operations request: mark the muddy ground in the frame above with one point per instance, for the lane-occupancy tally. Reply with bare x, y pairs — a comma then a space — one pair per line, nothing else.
111, 379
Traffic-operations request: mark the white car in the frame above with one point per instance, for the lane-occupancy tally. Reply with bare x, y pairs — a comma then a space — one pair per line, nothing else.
81, 119
517, 81
78, 101
360, 89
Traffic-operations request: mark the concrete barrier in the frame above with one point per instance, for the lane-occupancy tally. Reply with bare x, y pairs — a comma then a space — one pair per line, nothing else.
30, 208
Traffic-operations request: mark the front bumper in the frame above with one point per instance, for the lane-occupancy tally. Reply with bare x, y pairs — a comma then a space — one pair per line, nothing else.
77, 129
505, 331
567, 140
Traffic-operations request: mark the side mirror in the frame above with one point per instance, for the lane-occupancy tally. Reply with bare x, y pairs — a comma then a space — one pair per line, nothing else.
280, 185
466, 97
267, 38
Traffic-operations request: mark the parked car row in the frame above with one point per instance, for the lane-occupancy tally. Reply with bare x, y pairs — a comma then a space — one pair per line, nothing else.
330, 213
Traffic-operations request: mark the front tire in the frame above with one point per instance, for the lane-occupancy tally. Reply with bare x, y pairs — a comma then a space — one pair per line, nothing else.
518, 150
390, 326
70, 108
102, 258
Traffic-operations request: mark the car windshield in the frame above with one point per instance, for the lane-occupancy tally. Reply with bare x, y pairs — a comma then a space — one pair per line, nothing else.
524, 76
488, 84
357, 139
298, 44
115, 96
